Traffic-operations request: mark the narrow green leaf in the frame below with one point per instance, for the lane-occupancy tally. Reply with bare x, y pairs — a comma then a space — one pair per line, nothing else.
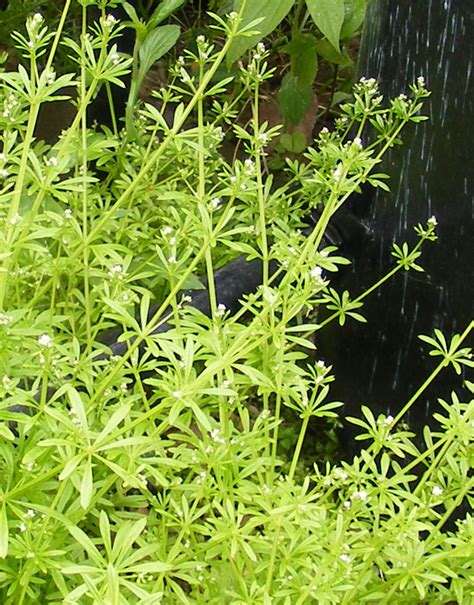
77, 407
126, 537
113, 422
87, 487
70, 467
328, 16
3, 532
87, 544
104, 525
200, 415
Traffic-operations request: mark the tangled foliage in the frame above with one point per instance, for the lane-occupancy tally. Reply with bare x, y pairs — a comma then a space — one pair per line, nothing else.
155, 476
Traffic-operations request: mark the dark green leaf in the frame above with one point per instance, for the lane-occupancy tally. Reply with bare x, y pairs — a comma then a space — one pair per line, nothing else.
156, 44
293, 100
271, 12
327, 51
328, 16
164, 10
355, 13
303, 58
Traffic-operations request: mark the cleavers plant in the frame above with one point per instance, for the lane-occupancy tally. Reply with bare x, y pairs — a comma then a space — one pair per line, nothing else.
156, 476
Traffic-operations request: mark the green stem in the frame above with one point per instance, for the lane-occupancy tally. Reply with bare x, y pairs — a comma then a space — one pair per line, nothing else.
299, 445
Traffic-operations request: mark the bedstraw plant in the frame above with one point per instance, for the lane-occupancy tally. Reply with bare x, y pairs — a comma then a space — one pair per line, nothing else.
156, 476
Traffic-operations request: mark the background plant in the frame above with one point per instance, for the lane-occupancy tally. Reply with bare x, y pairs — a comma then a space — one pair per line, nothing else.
156, 476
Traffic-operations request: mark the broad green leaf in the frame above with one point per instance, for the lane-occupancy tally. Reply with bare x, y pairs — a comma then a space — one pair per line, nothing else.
164, 10
294, 142
328, 16
327, 51
303, 58
271, 12
355, 14
3, 532
157, 43
294, 100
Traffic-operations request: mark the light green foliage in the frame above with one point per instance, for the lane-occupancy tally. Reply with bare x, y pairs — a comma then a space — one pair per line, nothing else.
158, 476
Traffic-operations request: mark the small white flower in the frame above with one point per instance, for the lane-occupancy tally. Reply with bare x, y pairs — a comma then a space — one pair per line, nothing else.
50, 76
221, 309
316, 273
53, 161
110, 20
200, 39
7, 383
432, 221
347, 504
22, 527
345, 558
68, 214
30, 514
402, 97
177, 394
249, 166
166, 230
172, 260
2, 157
216, 202
361, 495
321, 365
116, 271
337, 173
389, 420
436, 491
357, 142
45, 341
3, 173
420, 81
339, 473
